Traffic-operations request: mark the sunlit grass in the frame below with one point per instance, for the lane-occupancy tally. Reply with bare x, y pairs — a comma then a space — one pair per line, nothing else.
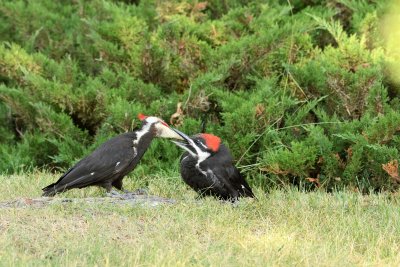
283, 228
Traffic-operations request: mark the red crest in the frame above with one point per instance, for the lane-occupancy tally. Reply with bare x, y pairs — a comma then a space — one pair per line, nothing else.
141, 116
212, 142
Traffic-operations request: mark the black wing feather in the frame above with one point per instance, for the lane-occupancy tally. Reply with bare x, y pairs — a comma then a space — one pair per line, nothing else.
238, 182
97, 167
221, 165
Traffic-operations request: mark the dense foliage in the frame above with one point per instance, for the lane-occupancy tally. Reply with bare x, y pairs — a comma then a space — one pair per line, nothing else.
299, 90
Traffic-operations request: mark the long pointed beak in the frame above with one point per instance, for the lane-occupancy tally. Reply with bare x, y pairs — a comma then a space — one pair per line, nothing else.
186, 142
182, 135
166, 131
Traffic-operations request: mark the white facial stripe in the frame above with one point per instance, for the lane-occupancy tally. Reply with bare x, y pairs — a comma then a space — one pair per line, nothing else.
205, 147
185, 148
201, 155
152, 120
142, 132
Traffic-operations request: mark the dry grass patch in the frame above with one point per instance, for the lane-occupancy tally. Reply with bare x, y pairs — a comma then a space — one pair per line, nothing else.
280, 229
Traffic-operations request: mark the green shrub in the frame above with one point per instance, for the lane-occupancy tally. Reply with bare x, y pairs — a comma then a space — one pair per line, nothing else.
300, 91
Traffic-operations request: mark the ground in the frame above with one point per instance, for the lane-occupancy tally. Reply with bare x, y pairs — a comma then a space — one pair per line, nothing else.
281, 228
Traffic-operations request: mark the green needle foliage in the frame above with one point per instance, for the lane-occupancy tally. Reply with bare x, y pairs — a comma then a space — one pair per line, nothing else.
299, 90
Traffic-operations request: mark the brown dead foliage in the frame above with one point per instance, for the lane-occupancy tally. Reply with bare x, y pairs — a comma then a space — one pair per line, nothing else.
260, 109
275, 169
392, 168
176, 119
314, 181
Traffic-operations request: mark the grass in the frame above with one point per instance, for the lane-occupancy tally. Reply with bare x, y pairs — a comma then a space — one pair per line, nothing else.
283, 228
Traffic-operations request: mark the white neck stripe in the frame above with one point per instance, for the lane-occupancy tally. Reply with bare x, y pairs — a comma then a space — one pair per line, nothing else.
141, 132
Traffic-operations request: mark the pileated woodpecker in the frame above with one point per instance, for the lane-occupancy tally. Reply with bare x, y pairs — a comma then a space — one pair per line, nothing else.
109, 163
207, 168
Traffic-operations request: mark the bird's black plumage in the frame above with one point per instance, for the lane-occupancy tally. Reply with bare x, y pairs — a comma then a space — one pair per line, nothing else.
215, 175
109, 163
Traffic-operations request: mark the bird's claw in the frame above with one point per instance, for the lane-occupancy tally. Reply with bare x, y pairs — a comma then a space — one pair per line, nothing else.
130, 195
127, 194
140, 191
114, 194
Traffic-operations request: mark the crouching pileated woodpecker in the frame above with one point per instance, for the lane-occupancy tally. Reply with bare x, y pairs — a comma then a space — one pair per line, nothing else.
207, 168
109, 163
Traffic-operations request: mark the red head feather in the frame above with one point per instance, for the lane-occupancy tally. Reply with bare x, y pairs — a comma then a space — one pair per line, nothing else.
212, 141
141, 116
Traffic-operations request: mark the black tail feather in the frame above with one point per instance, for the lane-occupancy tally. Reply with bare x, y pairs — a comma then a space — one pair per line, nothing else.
53, 189
246, 191
50, 190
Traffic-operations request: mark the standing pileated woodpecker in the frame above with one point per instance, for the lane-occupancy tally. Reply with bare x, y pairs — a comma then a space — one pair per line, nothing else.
207, 168
109, 163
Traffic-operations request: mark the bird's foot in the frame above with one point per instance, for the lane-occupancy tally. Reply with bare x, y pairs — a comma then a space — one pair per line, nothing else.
126, 191
114, 194
127, 194
141, 191
235, 203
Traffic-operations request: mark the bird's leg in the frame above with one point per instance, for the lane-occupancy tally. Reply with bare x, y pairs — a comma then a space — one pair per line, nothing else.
111, 192
118, 185
234, 202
